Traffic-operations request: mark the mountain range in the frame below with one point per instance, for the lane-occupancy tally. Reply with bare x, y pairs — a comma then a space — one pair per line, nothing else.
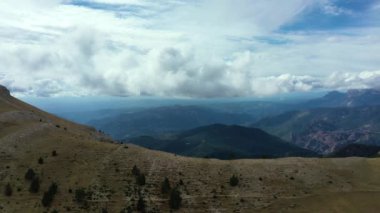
224, 142
166, 119
325, 130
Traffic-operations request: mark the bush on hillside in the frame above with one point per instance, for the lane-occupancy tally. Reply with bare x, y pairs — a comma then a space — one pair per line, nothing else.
175, 199
8, 190
80, 195
234, 180
140, 179
40, 160
165, 187
135, 171
140, 205
35, 185
30, 174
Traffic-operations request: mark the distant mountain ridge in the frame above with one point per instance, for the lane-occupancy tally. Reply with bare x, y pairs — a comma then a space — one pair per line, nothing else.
325, 130
165, 119
224, 142
351, 98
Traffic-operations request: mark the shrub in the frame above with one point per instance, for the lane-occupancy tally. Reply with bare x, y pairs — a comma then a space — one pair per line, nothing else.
53, 188
135, 171
175, 199
48, 197
165, 187
140, 179
80, 195
8, 190
234, 180
181, 182
54, 153
30, 174
140, 205
35, 185
40, 160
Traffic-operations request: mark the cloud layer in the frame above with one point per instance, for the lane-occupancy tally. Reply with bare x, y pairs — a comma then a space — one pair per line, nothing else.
215, 48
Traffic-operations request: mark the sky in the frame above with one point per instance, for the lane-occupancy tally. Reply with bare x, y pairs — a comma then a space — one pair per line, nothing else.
188, 48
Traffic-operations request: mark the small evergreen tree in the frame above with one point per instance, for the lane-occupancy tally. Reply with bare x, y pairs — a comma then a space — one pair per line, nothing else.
140, 205
48, 196
53, 188
35, 185
47, 199
140, 179
40, 160
80, 195
135, 171
175, 199
234, 180
165, 187
54, 153
8, 190
30, 174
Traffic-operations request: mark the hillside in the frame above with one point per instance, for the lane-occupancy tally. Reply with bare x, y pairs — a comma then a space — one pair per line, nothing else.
224, 142
95, 176
164, 119
327, 129
358, 150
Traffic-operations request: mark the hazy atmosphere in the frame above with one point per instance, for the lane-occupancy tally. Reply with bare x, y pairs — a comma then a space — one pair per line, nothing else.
179, 48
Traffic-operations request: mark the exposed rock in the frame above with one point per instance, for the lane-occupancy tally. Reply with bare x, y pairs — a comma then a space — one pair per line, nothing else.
4, 91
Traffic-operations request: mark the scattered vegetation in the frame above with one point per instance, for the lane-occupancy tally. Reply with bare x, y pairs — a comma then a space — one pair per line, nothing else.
234, 180
8, 190
30, 174
175, 199
165, 187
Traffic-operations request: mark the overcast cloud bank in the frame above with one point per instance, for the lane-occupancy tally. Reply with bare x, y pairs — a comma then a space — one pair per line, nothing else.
215, 48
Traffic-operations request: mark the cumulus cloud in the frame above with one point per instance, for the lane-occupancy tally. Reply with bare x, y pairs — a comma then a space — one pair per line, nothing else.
198, 49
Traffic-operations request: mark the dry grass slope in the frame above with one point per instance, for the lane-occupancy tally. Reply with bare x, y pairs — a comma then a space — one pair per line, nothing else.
85, 160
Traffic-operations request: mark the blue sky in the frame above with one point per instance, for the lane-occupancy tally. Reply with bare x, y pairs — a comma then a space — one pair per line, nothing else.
196, 49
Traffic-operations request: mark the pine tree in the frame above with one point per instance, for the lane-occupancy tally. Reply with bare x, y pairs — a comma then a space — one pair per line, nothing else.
165, 187
35, 185
140, 179
140, 205
40, 160
234, 180
135, 171
175, 199
30, 174
8, 190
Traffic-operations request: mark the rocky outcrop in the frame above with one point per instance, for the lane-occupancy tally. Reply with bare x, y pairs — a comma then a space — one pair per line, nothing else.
4, 91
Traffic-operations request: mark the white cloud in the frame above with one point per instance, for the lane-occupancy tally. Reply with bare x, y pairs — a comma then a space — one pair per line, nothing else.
198, 49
